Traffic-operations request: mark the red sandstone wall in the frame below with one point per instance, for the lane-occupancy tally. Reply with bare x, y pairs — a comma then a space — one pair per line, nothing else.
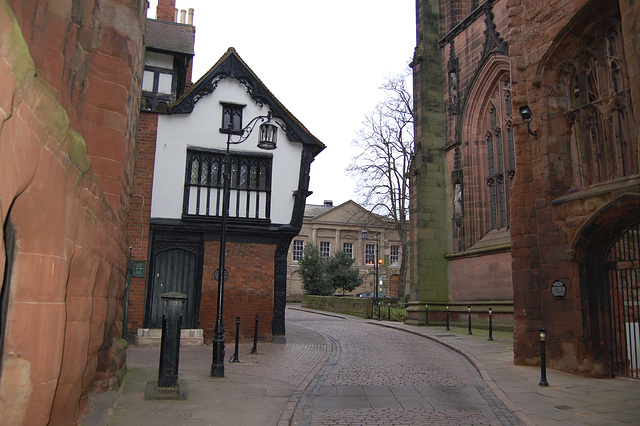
482, 278
247, 292
69, 102
542, 228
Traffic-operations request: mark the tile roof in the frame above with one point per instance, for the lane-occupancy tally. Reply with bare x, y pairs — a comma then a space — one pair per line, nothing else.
170, 36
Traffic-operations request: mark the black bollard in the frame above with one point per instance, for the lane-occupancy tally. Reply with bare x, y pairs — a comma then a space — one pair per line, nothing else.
426, 311
389, 311
235, 354
254, 350
447, 318
469, 310
168, 386
490, 324
543, 361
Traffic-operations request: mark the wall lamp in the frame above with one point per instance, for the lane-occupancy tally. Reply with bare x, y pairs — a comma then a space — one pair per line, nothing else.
527, 117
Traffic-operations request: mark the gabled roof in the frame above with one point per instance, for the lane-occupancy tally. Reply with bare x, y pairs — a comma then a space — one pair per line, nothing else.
347, 212
230, 65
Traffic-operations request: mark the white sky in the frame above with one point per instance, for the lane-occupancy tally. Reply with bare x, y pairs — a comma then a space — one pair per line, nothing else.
324, 60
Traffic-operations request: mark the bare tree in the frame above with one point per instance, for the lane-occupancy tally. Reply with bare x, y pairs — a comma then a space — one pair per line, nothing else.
386, 148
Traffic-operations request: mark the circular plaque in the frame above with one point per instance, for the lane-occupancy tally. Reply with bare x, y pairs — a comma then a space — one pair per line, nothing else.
216, 274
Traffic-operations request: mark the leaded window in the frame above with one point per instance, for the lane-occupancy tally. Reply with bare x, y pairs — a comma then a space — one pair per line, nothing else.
249, 185
231, 118
500, 155
603, 133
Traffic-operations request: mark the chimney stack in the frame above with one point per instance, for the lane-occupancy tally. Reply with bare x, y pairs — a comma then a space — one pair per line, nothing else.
166, 10
328, 203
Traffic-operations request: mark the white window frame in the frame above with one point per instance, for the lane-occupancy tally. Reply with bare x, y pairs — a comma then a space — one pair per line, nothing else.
394, 255
325, 249
298, 250
369, 254
348, 248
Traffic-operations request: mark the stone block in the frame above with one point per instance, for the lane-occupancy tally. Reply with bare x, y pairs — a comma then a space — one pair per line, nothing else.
32, 327
15, 390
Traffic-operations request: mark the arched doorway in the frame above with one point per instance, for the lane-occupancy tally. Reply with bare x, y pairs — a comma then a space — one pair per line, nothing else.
607, 247
623, 282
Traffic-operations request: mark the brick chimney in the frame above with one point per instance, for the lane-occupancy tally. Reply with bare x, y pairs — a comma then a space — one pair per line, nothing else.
166, 10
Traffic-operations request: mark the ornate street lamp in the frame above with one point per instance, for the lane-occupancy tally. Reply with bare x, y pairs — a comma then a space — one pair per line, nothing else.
266, 140
365, 237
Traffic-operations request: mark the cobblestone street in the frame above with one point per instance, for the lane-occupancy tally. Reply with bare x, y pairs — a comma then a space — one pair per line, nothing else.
375, 375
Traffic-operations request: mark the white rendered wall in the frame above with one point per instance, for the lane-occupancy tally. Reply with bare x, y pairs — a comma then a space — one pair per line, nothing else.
201, 129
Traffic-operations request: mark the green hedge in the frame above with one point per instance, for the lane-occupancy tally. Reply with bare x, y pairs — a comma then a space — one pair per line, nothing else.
357, 306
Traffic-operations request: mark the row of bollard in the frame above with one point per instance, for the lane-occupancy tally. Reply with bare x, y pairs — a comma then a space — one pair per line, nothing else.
543, 337
254, 349
469, 332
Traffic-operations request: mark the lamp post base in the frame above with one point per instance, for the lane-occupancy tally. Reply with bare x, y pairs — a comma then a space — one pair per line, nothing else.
217, 366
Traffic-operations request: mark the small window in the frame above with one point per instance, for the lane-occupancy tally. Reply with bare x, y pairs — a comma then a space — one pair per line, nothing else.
348, 248
231, 118
370, 254
394, 256
325, 249
298, 250
164, 83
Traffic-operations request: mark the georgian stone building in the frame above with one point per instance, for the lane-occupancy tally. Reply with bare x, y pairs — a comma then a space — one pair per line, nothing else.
333, 228
526, 176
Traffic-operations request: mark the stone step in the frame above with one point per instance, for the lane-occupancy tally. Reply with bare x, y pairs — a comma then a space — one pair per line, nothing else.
153, 336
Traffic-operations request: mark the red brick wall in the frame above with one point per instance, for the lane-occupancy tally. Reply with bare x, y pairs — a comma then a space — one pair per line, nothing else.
140, 213
247, 292
166, 10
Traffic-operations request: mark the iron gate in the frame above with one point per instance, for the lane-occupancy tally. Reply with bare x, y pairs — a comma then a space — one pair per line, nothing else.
623, 276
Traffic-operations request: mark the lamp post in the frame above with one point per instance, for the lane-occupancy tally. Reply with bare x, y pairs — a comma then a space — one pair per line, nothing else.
267, 140
365, 237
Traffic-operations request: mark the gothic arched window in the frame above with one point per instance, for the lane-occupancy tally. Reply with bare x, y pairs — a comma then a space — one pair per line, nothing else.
500, 166
603, 135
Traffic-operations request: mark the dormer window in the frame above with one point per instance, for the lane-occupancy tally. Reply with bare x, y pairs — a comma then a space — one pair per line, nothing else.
158, 82
231, 118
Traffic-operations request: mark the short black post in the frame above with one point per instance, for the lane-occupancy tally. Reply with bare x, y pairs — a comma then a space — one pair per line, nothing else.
379, 315
543, 361
168, 386
469, 310
389, 311
254, 350
490, 324
426, 311
447, 318
235, 354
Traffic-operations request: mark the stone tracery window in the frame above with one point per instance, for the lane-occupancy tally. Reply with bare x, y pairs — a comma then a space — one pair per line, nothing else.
500, 154
603, 135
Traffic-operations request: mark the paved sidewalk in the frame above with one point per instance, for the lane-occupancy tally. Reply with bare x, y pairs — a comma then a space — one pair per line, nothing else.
268, 388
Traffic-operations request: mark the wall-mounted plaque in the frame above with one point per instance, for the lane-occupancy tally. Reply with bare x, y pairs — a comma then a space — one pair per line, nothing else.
137, 269
558, 289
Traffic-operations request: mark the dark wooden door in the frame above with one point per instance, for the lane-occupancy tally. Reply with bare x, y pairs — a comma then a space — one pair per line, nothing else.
174, 269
